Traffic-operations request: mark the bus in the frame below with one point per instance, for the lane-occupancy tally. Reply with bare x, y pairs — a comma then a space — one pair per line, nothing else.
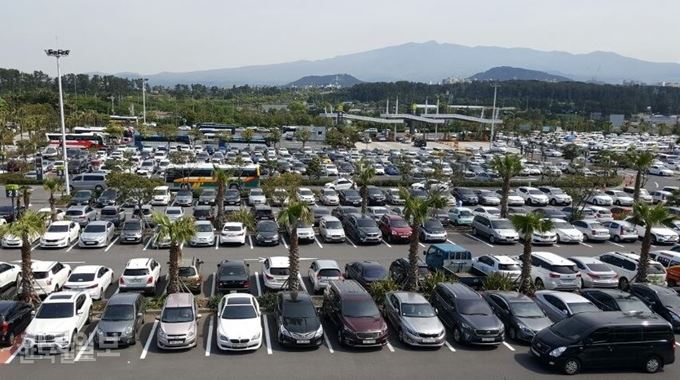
141, 141
77, 140
216, 128
198, 175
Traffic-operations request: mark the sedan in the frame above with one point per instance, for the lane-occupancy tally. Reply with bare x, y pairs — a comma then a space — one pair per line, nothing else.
233, 232
60, 234
365, 272
207, 197
460, 216
520, 314
595, 273
96, 234
433, 230
615, 300
322, 272
232, 275
414, 319
297, 320
560, 305
592, 230
205, 234
267, 233
566, 232
239, 327
91, 279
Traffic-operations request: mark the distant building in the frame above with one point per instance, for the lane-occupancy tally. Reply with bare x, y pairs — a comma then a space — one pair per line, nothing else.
617, 121
596, 116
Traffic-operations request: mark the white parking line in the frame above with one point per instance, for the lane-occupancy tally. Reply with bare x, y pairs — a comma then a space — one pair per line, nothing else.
85, 346
302, 282
35, 246
284, 242
317, 242
556, 245
148, 242
212, 288
217, 243
449, 346
265, 321
677, 344
656, 185
449, 241
587, 245
389, 347
616, 244
328, 342
250, 240
351, 242
423, 245
148, 340
208, 343
479, 240
257, 282
112, 243
511, 348
71, 247
14, 354
387, 244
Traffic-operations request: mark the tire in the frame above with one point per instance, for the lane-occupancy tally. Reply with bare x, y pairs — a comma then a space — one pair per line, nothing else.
553, 202
558, 239
617, 239
400, 335
652, 365
513, 333
473, 231
340, 340
457, 336
539, 284
571, 366
492, 239
618, 202
623, 283
72, 345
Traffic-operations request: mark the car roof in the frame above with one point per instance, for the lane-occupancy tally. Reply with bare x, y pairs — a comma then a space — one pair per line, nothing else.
448, 247
510, 296
299, 297
203, 222
586, 259
179, 300
553, 258
279, 261
504, 259
349, 287
141, 262
41, 266
327, 264
656, 288
461, 291
98, 223
598, 319
409, 297
564, 296
86, 269
123, 299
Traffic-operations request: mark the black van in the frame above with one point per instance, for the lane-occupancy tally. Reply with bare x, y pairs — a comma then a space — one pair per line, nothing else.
608, 339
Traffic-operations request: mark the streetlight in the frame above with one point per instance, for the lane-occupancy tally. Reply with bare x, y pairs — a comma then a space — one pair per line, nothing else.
144, 80
58, 54
493, 115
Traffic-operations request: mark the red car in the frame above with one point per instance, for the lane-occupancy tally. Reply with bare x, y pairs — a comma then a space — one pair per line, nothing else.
394, 228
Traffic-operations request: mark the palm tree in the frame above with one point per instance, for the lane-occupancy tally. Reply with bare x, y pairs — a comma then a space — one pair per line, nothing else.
526, 225
295, 213
507, 167
649, 216
364, 175
29, 224
177, 231
221, 177
243, 215
416, 212
53, 185
640, 161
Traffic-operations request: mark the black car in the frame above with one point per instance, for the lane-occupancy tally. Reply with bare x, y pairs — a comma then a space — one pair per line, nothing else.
399, 270
614, 300
605, 340
82, 198
14, 318
108, 197
319, 212
375, 196
207, 197
464, 311
465, 195
9, 213
520, 314
661, 300
232, 275
232, 197
362, 229
267, 233
342, 212
263, 212
365, 272
349, 197
297, 320
204, 213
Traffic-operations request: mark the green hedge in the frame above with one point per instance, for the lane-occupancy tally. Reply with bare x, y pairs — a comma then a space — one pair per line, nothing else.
18, 179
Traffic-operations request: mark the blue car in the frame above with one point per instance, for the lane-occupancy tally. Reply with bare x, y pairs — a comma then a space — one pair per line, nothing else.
391, 170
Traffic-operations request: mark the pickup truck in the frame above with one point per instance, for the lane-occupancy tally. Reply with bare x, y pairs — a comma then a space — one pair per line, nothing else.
454, 261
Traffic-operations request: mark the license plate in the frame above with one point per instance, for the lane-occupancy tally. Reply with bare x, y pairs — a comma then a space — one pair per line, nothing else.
303, 341
173, 341
129, 238
238, 345
428, 340
487, 339
369, 341
90, 242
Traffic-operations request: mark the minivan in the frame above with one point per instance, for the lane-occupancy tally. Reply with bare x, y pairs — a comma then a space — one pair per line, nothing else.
604, 340
89, 181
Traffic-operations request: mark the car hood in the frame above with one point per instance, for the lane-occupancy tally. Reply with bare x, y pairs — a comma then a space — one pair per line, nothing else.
546, 336
301, 325
483, 322
176, 328
663, 231
536, 324
51, 326
365, 324
402, 230
507, 232
424, 325
267, 233
114, 326
55, 235
369, 230
335, 231
203, 235
92, 235
239, 328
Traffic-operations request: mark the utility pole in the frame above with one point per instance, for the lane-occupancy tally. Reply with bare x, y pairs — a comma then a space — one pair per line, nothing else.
144, 80
493, 115
58, 54
112, 99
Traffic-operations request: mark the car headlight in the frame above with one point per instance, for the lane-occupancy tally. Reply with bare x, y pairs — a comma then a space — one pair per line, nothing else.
256, 336
284, 331
319, 331
128, 330
675, 317
258, 237
525, 329
162, 334
191, 333
465, 326
410, 331
557, 352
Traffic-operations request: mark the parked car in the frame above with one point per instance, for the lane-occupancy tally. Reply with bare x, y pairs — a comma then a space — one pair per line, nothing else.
661, 300
660, 234
556, 196
625, 265
140, 274
132, 231
329, 197
533, 196
595, 273
362, 229
330, 229
178, 327
49, 276
239, 326
560, 305
267, 233
205, 234
433, 230
184, 198
15, 316
394, 228
400, 269
108, 197
615, 300
365, 272
550, 271
91, 279
322, 272
349, 197
80, 214
520, 315
566, 232
82, 198
414, 319
96, 234
500, 264
496, 230
298, 324
121, 320
161, 196
10, 275
460, 216
204, 213
232, 275
190, 274
275, 272
233, 232
670, 259
592, 230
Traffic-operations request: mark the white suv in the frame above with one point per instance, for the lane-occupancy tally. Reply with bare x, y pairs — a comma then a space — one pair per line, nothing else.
275, 271
550, 271
504, 265
140, 274
59, 319
532, 196
626, 266
322, 272
556, 196
49, 276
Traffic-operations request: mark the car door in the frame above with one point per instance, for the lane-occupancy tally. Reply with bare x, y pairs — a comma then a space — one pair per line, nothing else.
501, 308
392, 310
554, 308
311, 273
104, 277
597, 349
81, 313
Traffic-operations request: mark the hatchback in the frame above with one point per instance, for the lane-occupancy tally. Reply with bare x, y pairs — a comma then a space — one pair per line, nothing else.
178, 327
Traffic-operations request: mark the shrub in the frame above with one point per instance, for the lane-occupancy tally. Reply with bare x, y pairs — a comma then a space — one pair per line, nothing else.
497, 281
267, 302
378, 289
427, 286
214, 301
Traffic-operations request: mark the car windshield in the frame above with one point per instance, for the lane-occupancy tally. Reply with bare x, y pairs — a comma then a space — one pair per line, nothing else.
360, 309
464, 213
655, 268
580, 307
631, 303
227, 271
118, 313
433, 225
135, 272
58, 228
185, 193
563, 269
279, 271
501, 224
305, 192
333, 225
55, 310
351, 193
417, 310
526, 310
132, 226
292, 309
596, 267
473, 307
374, 271
159, 192
97, 228
173, 211
177, 315
81, 277
239, 312
232, 228
399, 223
267, 227
203, 227
187, 271
82, 194
330, 192
535, 192
109, 211
74, 212
232, 193
208, 193
670, 300
365, 222
563, 225
329, 273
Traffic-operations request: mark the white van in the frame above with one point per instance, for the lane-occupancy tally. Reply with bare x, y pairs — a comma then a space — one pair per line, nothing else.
161, 196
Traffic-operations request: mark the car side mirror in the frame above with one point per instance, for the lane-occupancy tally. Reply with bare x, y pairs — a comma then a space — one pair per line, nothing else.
158, 318
140, 315
199, 316
436, 311
32, 313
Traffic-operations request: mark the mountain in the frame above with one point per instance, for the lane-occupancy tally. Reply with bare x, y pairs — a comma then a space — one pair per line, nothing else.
431, 61
503, 73
335, 80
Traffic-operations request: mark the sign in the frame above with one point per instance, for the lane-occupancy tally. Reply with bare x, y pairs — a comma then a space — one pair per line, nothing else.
11, 191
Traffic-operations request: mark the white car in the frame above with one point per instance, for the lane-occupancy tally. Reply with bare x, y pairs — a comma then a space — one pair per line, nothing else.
96, 234
513, 198
306, 195
532, 196
59, 319
321, 272
487, 210
233, 232
11, 241
620, 198
10, 274
330, 170
256, 197
205, 234
544, 238
660, 234
600, 199
239, 326
161, 196
503, 265
595, 273
592, 230
620, 230
340, 184
660, 170
174, 212
275, 272
602, 213
626, 266
329, 197
556, 196
60, 234
49, 276
91, 279
140, 274
330, 229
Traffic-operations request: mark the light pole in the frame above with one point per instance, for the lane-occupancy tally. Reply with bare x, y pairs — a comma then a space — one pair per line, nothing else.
493, 115
58, 54
144, 80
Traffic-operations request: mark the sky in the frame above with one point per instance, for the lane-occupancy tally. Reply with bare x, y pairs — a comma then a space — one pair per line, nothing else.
151, 36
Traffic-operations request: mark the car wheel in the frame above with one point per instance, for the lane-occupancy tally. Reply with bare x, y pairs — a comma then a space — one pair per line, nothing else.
513, 333
623, 283
72, 344
492, 239
618, 202
539, 284
553, 202
617, 238
571, 366
583, 284
652, 364
559, 240
340, 340
400, 335
457, 336
474, 231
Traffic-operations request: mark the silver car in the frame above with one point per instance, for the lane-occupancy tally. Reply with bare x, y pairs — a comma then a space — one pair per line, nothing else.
205, 234
96, 234
178, 327
414, 319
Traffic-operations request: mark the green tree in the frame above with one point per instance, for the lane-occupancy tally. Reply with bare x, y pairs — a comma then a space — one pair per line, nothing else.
243, 215
571, 152
526, 225
507, 166
53, 185
275, 135
248, 135
290, 217
221, 177
114, 130
133, 188
29, 224
640, 161
178, 231
416, 212
314, 167
364, 174
303, 135
650, 217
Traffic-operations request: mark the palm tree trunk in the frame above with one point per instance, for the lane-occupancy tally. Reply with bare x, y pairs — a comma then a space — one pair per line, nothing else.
26, 287
525, 286
219, 201
638, 184
504, 197
364, 198
644, 254
294, 261
173, 269
53, 210
412, 278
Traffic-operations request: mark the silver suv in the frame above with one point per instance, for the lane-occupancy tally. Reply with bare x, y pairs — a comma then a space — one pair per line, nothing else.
178, 326
497, 230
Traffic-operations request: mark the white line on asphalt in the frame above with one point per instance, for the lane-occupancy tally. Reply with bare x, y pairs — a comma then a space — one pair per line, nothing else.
257, 282
284, 242
449, 241
449, 346
212, 289
423, 245
302, 282
656, 185
677, 344
148, 340
250, 240
85, 346
209, 338
35, 246
112, 243
317, 242
71, 247
479, 240
265, 321
511, 348
616, 244
587, 245
14, 354
387, 244
147, 244
181, 246
217, 243
556, 245
389, 347
328, 342
351, 242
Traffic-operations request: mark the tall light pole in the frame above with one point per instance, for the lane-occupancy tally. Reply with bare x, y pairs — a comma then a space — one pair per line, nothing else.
493, 115
144, 80
58, 54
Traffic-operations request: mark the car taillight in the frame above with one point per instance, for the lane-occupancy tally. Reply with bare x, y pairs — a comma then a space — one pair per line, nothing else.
554, 275
149, 280
268, 276
593, 275
246, 284
5, 327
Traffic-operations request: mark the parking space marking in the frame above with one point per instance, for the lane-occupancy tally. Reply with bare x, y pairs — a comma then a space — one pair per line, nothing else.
35, 246
257, 282
677, 344
85, 346
317, 242
17, 349
449, 346
265, 321
587, 245
449, 241
389, 347
511, 348
217, 243
208, 342
556, 245
112, 243
250, 240
479, 240
387, 244
148, 242
71, 247
284, 242
328, 342
351, 242
212, 287
148, 340
423, 245
616, 244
